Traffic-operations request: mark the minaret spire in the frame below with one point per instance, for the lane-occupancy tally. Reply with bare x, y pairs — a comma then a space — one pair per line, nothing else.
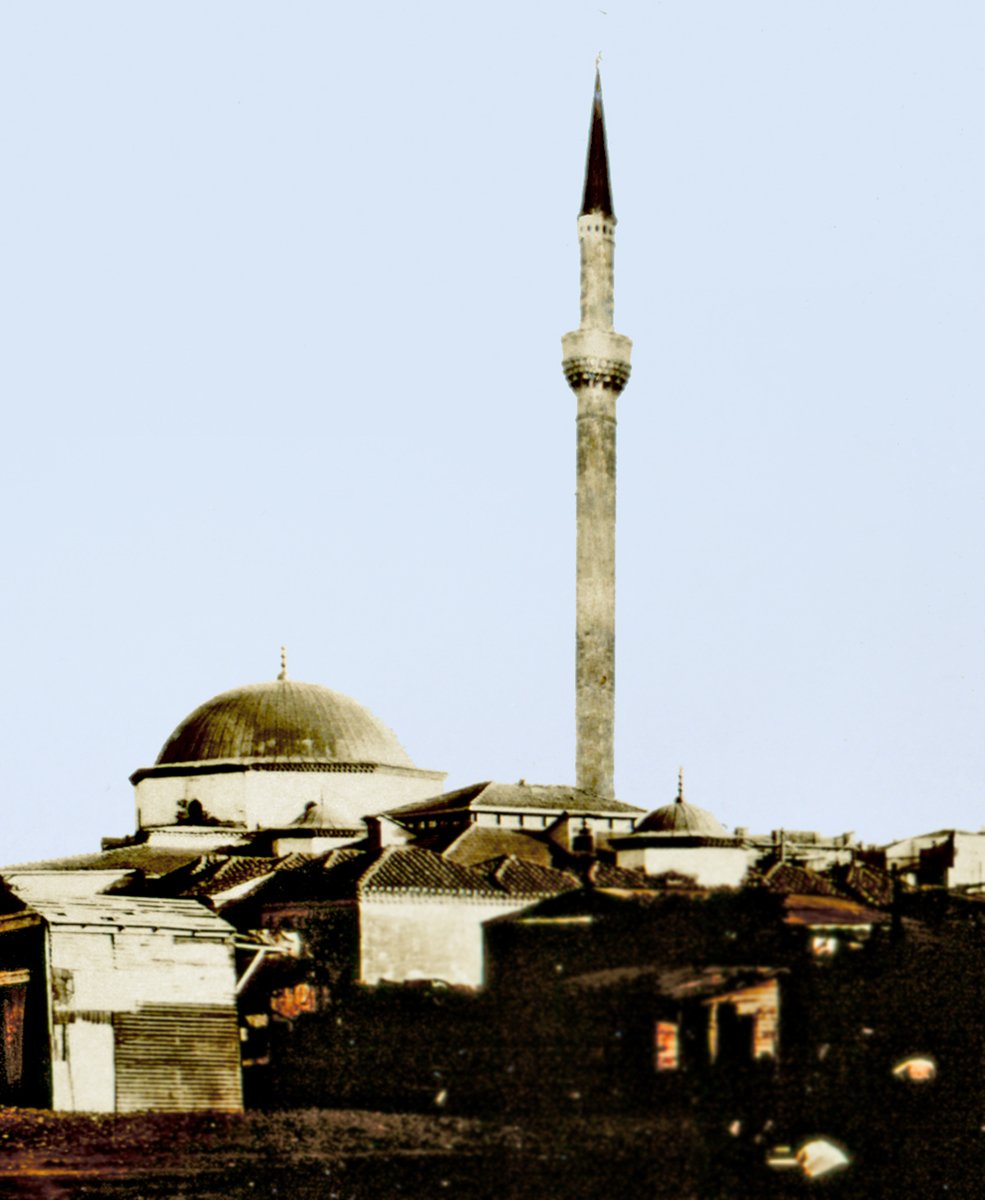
596, 365
598, 191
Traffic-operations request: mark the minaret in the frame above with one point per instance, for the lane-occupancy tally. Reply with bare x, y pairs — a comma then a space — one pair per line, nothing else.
596, 365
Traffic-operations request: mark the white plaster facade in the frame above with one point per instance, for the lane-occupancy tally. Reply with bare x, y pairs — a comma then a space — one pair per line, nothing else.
255, 797
960, 857
710, 866
427, 936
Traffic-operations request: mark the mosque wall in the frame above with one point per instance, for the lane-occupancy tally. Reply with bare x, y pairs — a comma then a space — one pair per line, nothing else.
263, 799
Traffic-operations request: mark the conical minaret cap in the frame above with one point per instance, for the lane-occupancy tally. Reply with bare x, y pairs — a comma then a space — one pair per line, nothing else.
598, 192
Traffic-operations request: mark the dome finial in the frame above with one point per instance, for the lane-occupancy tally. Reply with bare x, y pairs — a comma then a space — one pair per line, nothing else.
283, 663
680, 785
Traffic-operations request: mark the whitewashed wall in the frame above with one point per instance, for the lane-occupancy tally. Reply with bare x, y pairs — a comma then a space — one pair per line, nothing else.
710, 866
96, 973
426, 937
264, 799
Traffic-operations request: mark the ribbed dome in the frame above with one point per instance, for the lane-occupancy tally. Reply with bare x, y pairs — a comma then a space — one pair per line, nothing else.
283, 720
681, 817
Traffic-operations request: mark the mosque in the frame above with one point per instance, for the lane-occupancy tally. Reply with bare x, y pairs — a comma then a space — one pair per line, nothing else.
283, 822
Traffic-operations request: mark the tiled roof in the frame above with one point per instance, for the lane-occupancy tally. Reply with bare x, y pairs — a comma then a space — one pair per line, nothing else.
608, 875
489, 797
873, 885
787, 878
334, 876
407, 868
519, 877
229, 873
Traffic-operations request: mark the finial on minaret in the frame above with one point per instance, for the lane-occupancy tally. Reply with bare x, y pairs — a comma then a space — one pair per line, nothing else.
283, 663
598, 192
680, 785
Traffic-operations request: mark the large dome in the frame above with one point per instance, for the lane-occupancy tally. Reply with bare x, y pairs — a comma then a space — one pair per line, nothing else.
287, 721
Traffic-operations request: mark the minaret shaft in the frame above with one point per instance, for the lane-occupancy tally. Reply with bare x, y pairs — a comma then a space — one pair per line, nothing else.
596, 365
595, 635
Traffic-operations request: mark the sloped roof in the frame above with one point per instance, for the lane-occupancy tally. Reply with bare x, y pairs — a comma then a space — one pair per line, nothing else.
829, 910
408, 868
152, 860
787, 878
872, 885
480, 843
333, 876
520, 877
229, 872
490, 797
680, 983
586, 904
131, 912
607, 875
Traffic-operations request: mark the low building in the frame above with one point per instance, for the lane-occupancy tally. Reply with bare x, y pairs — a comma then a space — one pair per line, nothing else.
118, 1004
393, 914
566, 814
950, 858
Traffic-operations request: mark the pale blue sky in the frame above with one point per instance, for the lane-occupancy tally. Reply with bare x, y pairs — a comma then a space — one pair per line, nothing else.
281, 291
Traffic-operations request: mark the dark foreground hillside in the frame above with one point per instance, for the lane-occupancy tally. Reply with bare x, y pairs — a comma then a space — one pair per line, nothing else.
351, 1155
331, 1155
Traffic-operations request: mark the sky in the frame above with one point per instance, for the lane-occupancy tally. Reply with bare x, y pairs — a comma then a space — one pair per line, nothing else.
282, 288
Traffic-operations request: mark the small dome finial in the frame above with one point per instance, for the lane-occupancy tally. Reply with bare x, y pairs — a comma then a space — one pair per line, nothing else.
283, 663
680, 785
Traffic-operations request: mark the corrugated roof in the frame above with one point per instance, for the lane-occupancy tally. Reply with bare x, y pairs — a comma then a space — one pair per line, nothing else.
131, 912
492, 797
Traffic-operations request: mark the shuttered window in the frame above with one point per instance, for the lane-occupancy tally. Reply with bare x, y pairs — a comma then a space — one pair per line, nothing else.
177, 1058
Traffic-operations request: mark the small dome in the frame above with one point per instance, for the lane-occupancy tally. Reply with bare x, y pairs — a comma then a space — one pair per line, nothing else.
681, 817
283, 720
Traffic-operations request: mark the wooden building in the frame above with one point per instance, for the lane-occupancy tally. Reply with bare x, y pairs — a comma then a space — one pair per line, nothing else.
118, 1004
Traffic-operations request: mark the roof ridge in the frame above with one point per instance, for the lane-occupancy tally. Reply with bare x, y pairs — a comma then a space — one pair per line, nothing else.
382, 855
